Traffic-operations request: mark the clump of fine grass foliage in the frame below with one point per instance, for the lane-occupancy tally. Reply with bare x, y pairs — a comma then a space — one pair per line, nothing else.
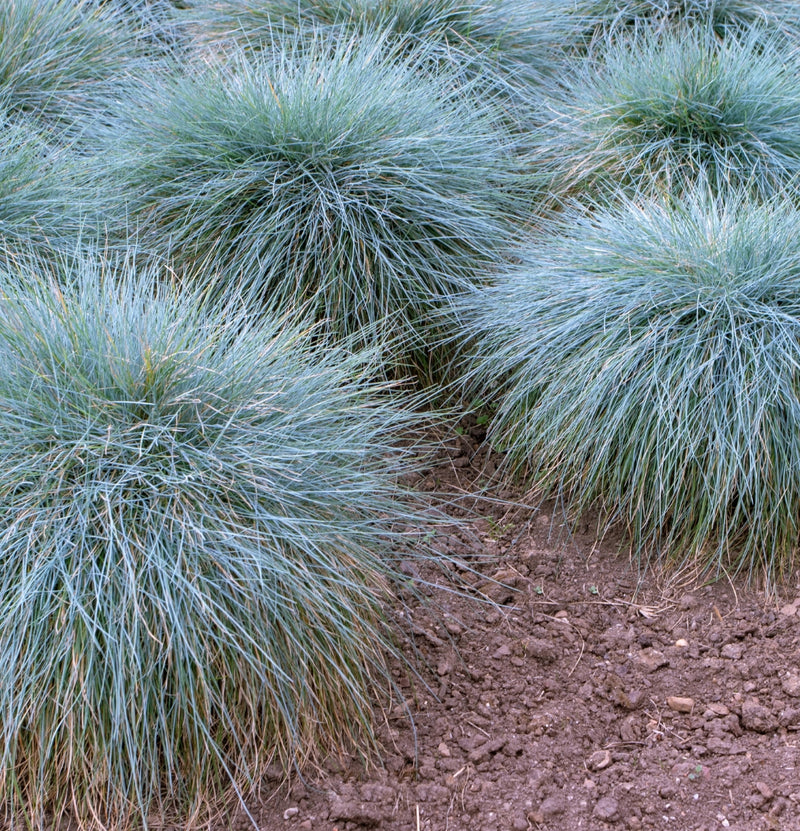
197, 541
58, 56
652, 111
516, 41
154, 21
644, 362
331, 181
40, 195
723, 17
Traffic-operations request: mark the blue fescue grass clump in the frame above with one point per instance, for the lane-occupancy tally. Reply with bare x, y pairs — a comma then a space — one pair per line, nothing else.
153, 21
197, 537
59, 57
41, 195
514, 40
644, 363
722, 17
331, 181
651, 111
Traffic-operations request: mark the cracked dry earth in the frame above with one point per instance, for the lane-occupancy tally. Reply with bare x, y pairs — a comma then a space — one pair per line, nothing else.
580, 702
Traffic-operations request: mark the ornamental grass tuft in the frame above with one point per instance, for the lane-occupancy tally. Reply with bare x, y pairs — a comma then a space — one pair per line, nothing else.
722, 17
332, 181
59, 57
197, 538
154, 21
652, 111
645, 364
516, 41
40, 195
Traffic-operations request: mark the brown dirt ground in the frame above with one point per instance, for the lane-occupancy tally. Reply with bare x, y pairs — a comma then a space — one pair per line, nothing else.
587, 699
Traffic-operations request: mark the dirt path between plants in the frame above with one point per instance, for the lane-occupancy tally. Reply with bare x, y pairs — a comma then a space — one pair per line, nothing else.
581, 703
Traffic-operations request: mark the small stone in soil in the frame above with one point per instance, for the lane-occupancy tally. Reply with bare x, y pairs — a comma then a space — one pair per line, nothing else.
542, 650
502, 652
445, 666
715, 709
551, 807
733, 651
680, 704
599, 760
651, 659
629, 729
453, 626
764, 790
790, 684
607, 809
756, 717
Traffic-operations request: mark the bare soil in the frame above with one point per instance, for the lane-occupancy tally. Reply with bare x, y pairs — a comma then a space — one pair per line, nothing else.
587, 699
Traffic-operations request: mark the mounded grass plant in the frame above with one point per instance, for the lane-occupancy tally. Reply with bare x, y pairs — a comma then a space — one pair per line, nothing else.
459, 23
154, 21
197, 540
58, 58
644, 363
722, 17
651, 111
331, 181
516, 42
40, 195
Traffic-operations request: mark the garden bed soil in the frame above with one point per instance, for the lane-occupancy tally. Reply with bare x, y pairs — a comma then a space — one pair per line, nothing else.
587, 699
